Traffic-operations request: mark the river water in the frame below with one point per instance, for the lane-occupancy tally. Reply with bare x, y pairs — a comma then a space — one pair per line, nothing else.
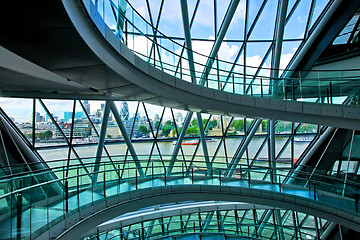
166, 148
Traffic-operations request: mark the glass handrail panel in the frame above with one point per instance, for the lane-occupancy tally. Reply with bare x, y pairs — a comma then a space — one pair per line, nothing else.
139, 36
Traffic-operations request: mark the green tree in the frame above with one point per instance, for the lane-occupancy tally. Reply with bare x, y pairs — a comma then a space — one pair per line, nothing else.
231, 133
143, 129
264, 125
194, 122
204, 122
156, 124
238, 125
169, 122
44, 135
307, 128
288, 127
28, 135
212, 124
192, 131
48, 134
166, 129
280, 127
248, 123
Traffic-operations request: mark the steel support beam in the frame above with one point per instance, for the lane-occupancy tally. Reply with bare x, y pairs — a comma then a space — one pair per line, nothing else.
203, 142
348, 161
236, 159
247, 34
275, 65
63, 135
334, 20
186, 25
126, 138
328, 134
220, 37
328, 231
264, 220
101, 142
278, 39
120, 19
154, 30
178, 142
207, 220
279, 223
150, 228
21, 153
272, 157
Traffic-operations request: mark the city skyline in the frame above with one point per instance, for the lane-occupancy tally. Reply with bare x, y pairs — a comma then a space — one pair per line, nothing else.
17, 107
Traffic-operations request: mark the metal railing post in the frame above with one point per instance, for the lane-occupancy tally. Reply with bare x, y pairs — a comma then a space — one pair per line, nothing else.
220, 176
119, 175
293, 90
19, 204
182, 170
331, 98
66, 196
104, 185
192, 174
279, 184
152, 170
136, 179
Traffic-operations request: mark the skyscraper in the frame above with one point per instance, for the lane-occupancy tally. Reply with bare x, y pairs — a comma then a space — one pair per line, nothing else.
86, 106
124, 111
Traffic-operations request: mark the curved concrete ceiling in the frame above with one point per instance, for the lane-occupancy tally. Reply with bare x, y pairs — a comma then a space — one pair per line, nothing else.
83, 56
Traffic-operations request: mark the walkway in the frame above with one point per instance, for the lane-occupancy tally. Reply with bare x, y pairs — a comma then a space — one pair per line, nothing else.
86, 207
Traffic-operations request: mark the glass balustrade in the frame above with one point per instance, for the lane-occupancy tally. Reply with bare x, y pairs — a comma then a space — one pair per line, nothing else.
168, 55
200, 224
29, 195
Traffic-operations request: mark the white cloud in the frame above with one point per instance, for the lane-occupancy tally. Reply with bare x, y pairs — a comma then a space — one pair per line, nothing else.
20, 109
240, 12
140, 44
142, 11
227, 52
285, 59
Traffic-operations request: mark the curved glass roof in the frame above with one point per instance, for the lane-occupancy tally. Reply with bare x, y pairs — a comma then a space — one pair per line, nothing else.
250, 35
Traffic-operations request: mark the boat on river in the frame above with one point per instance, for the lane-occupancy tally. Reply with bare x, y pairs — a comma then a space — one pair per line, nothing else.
303, 139
189, 142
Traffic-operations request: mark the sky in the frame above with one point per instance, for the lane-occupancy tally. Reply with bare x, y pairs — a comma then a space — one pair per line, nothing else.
21, 109
203, 27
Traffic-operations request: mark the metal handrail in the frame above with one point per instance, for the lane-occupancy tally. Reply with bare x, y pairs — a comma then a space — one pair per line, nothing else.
296, 87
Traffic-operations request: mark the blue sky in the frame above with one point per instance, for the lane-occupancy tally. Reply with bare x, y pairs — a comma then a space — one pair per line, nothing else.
203, 27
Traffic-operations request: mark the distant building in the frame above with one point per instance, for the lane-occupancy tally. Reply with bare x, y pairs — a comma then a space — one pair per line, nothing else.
129, 124
179, 118
124, 111
80, 115
37, 117
67, 116
86, 106
156, 118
